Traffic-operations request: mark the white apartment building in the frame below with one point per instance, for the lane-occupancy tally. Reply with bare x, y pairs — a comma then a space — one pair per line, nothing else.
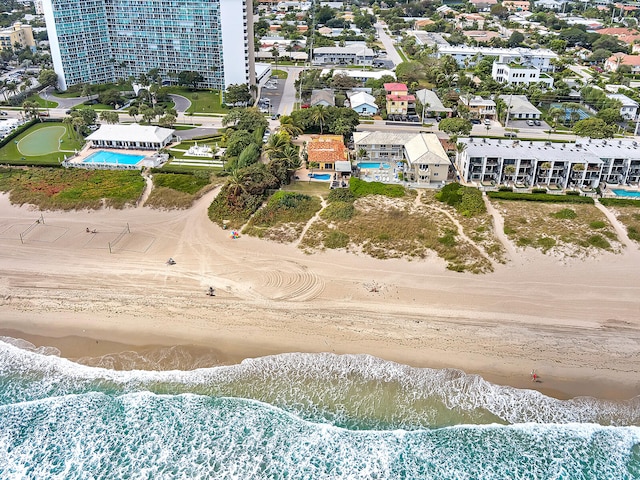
98, 41
469, 56
347, 55
517, 74
584, 163
427, 162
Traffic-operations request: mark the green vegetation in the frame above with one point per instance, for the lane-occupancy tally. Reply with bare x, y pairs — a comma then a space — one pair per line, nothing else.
466, 200
539, 197
360, 188
171, 190
620, 202
71, 189
565, 232
41, 101
283, 217
280, 73
629, 215
566, 213
202, 101
9, 153
391, 228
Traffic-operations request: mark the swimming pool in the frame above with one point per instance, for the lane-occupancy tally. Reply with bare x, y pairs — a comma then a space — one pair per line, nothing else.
113, 158
373, 165
625, 193
320, 176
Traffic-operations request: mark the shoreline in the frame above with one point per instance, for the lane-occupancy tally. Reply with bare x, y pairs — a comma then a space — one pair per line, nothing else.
576, 322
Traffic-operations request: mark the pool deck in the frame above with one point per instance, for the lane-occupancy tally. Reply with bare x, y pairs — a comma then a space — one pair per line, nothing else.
149, 156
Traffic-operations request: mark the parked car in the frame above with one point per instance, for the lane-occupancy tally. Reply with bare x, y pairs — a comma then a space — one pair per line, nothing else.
3, 113
93, 128
414, 118
537, 123
67, 112
530, 123
510, 134
475, 121
487, 121
44, 114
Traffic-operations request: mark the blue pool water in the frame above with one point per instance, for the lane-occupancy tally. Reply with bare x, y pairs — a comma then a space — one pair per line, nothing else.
626, 193
373, 165
113, 158
320, 176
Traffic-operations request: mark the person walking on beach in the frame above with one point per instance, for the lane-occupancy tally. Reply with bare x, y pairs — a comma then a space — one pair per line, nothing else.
534, 376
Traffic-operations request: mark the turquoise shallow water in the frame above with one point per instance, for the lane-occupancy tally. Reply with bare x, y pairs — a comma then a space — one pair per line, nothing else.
299, 416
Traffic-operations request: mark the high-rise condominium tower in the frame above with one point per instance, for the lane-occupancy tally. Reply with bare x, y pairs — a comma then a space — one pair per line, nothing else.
98, 41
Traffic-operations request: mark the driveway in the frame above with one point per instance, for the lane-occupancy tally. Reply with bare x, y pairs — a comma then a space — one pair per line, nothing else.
181, 103
388, 43
63, 103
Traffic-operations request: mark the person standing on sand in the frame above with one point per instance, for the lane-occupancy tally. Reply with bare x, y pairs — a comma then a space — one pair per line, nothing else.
534, 376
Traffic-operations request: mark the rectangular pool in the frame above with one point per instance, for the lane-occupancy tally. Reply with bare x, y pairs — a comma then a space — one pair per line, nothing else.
625, 193
373, 165
113, 158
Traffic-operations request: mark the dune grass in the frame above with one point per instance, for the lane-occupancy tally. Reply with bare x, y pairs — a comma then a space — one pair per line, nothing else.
179, 191
283, 217
71, 189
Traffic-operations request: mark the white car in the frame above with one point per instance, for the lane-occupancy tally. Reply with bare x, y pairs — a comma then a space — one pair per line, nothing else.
487, 121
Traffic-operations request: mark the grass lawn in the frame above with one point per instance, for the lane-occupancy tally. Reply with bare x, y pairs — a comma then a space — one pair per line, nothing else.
43, 144
71, 189
202, 101
308, 188
280, 74
569, 230
41, 101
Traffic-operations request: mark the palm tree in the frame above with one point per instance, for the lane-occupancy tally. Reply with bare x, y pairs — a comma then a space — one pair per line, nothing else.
287, 126
236, 183
133, 111
291, 156
276, 144
362, 154
319, 116
555, 113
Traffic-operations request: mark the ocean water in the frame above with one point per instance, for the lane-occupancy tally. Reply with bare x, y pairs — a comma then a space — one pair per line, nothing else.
297, 416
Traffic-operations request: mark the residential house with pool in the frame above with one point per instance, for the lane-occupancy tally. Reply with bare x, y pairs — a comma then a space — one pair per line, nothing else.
419, 157
324, 151
583, 164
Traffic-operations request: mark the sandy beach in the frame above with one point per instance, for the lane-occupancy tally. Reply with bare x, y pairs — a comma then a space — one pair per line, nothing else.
576, 322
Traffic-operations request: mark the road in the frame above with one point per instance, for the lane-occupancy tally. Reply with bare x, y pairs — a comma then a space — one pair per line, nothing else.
387, 41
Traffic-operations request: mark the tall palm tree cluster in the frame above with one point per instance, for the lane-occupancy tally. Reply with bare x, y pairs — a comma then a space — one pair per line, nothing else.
248, 185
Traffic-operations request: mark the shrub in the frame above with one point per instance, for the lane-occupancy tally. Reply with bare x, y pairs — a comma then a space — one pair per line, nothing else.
340, 195
573, 192
620, 202
509, 230
448, 240
546, 243
539, 190
598, 241
523, 241
565, 214
505, 189
335, 239
633, 234
597, 224
467, 200
540, 197
450, 194
360, 188
338, 210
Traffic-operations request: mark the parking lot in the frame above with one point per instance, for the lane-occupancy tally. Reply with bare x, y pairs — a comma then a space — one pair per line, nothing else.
270, 96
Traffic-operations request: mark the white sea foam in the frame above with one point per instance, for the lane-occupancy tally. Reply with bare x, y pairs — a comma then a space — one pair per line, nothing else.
142, 435
355, 391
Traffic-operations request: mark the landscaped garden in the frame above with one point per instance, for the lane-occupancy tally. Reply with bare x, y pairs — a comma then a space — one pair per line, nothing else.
202, 101
45, 143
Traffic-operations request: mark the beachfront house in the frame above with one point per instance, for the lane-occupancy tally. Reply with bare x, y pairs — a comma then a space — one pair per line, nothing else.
323, 151
421, 155
131, 136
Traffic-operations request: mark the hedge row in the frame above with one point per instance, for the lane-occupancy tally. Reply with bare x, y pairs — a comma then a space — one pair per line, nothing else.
360, 188
539, 197
14, 133
620, 202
